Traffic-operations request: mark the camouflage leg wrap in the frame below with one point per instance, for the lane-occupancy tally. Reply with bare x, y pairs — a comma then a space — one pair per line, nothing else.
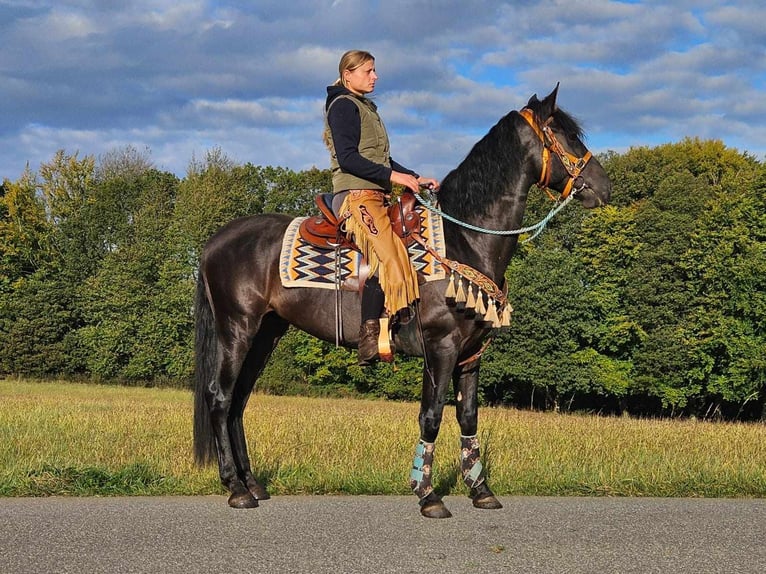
470, 461
420, 476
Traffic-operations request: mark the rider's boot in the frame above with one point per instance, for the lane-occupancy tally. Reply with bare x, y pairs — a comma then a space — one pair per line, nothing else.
372, 307
368, 342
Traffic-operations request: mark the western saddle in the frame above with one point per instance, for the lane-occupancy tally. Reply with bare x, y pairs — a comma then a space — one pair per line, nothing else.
326, 229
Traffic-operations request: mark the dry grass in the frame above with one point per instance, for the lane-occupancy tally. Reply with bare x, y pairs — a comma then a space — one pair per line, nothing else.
58, 438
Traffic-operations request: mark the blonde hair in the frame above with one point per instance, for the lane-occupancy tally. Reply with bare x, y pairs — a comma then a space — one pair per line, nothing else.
350, 61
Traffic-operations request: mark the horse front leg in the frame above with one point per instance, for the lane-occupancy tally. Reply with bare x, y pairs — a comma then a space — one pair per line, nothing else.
466, 382
431, 410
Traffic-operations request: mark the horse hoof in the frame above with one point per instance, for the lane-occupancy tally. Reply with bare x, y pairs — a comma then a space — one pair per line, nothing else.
435, 510
484, 498
487, 503
243, 500
257, 490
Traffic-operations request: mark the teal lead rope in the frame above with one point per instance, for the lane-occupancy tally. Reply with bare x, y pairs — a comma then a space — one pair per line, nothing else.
537, 228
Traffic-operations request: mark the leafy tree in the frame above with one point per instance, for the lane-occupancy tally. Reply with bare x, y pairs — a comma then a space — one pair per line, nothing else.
25, 233
131, 321
640, 172
303, 364
36, 320
727, 260
554, 318
124, 163
39, 314
654, 304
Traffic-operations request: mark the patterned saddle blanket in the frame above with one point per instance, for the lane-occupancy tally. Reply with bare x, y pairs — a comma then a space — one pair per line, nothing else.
304, 264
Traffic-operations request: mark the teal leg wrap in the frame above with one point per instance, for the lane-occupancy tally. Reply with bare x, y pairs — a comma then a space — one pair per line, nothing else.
420, 476
470, 461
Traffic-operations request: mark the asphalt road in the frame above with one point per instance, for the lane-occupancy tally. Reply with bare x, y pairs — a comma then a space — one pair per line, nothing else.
386, 534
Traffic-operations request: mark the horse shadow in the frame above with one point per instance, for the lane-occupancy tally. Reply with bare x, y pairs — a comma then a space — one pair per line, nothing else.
447, 479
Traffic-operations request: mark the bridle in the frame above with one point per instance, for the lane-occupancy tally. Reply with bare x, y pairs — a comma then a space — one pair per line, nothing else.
573, 164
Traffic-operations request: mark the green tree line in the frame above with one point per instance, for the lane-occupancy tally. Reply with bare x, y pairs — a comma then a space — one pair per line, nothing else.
653, 305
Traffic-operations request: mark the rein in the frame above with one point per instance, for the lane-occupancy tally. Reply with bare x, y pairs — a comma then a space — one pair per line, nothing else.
537, 227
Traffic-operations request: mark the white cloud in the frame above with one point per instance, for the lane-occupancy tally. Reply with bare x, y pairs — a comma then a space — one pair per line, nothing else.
248, 77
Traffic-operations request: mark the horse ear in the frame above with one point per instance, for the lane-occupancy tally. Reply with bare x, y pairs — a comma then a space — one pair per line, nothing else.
549, 103
533, 101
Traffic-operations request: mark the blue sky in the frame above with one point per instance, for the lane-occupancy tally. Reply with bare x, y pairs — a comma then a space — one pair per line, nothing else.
175, 79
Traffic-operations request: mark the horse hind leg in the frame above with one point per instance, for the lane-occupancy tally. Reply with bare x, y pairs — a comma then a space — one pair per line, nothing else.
218, 362
221, 396
263, 344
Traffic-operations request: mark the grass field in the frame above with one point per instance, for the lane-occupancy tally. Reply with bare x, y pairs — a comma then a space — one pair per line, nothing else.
77, 439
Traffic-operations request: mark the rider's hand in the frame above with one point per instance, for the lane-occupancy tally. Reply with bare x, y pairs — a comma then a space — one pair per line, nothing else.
429, 183
405, 179
413, 184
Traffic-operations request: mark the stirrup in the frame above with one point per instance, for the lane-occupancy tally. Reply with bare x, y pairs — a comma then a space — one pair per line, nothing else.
385, 344
375, 332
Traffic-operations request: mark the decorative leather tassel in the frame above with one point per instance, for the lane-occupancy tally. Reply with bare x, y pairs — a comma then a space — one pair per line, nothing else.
460, 297
506, 320
491, 315
450, 294
385, 352
480, 307
471, 301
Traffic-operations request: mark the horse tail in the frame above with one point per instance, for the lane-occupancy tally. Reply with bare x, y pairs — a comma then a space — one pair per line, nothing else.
205, 365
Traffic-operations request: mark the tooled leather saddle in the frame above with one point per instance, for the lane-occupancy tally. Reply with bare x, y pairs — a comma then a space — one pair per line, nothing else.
326, 229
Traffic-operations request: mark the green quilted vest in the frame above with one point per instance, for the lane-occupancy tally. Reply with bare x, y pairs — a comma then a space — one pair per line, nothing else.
373, 145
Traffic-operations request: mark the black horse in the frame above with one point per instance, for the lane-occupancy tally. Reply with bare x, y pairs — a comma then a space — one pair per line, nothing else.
242, 309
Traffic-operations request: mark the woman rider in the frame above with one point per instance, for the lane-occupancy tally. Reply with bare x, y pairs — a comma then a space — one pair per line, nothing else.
362, 174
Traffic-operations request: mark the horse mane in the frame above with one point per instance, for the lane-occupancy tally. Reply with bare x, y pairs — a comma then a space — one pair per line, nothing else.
493, 162
474, 184
568, 124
